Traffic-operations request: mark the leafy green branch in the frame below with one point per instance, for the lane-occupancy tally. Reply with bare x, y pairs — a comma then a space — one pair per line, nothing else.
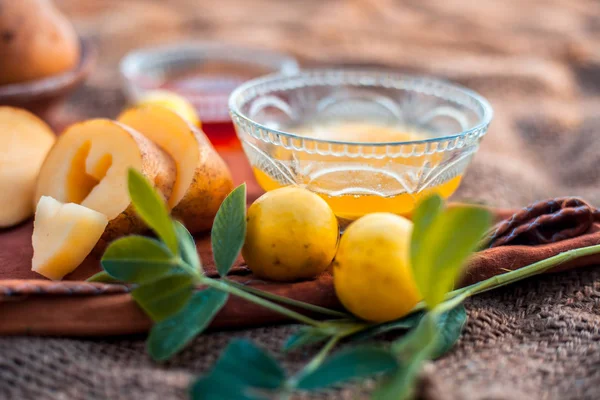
442, 241
165, 273
167, 270
440, 256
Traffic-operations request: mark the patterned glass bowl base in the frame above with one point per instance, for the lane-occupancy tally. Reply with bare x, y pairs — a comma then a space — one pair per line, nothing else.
446, 123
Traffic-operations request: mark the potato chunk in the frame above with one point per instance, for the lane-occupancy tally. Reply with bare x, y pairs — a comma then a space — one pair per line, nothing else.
63, 236
24, 142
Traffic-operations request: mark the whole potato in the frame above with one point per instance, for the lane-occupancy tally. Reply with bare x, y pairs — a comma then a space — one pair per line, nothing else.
36, 41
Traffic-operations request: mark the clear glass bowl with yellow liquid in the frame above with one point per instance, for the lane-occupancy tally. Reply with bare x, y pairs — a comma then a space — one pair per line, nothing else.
365, 141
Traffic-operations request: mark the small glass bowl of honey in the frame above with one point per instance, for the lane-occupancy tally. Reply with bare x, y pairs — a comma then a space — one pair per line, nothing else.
205, 73
365, 141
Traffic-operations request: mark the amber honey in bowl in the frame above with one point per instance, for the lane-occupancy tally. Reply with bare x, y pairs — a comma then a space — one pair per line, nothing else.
207, 87
205, 73
355, 199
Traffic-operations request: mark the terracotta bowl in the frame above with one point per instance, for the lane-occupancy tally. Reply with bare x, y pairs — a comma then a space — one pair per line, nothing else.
40, 96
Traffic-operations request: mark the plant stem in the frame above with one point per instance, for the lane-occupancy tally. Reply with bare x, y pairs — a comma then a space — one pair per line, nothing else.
453, 302
525, 272
319, 357
511, 277
226, 287
288, 301
190, 270
313, 364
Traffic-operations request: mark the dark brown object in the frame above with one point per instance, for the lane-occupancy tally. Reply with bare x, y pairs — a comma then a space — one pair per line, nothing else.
546, 222
539, 231
43, 95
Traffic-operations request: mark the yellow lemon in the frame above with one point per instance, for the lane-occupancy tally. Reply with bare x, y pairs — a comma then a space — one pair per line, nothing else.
173, 102
292, 234
371, 271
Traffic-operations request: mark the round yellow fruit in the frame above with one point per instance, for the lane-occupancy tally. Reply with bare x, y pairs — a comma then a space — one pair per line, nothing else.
292, 234
371, 271
173, 102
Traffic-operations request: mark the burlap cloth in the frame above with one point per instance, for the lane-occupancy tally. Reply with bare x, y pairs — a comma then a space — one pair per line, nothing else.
537, 62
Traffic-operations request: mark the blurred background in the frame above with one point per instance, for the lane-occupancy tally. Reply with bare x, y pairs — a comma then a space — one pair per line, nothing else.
531, 47
538, 62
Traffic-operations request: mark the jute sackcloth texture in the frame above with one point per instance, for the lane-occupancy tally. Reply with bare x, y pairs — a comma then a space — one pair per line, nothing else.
537, 63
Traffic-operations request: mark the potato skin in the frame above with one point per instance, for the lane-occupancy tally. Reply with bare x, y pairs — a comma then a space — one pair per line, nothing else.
212, 183
36, 41
159, 168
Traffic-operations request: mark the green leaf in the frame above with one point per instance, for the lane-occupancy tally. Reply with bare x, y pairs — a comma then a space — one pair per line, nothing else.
187, 246
424, 335
430, 339
405, 323
414, 350
102, 277
229, 229
171, 335
352, 363
400, 385
239, 355
304, 336
243, 371
151, 208
167, 296
440, 247
450, 326
137, 259
424, 216
207, 388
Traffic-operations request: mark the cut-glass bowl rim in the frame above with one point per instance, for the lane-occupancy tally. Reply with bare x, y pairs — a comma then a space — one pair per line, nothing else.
365, 78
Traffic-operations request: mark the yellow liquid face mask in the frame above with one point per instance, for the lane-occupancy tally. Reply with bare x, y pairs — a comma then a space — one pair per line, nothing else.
355, 186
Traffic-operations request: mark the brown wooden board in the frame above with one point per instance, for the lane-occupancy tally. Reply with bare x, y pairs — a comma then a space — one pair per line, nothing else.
29, 304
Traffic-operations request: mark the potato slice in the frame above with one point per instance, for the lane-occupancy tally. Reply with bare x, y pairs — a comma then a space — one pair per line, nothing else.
173, 101
203, 179
63, 236
89, 164
24, 142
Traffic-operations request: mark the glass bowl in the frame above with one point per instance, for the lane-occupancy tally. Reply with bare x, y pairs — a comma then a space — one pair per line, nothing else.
204, 72
442, 125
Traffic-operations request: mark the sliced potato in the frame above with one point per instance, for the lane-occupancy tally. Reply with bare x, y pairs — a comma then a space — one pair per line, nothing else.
24, 142
203, 179
63, 236
89, 164
172, 101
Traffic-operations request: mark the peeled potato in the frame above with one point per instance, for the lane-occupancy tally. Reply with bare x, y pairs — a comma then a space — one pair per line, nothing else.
89, 164
63, 236
36, 41
24, 142
203, 179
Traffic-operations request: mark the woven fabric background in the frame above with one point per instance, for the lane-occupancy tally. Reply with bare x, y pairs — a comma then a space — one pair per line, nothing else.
538, 62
